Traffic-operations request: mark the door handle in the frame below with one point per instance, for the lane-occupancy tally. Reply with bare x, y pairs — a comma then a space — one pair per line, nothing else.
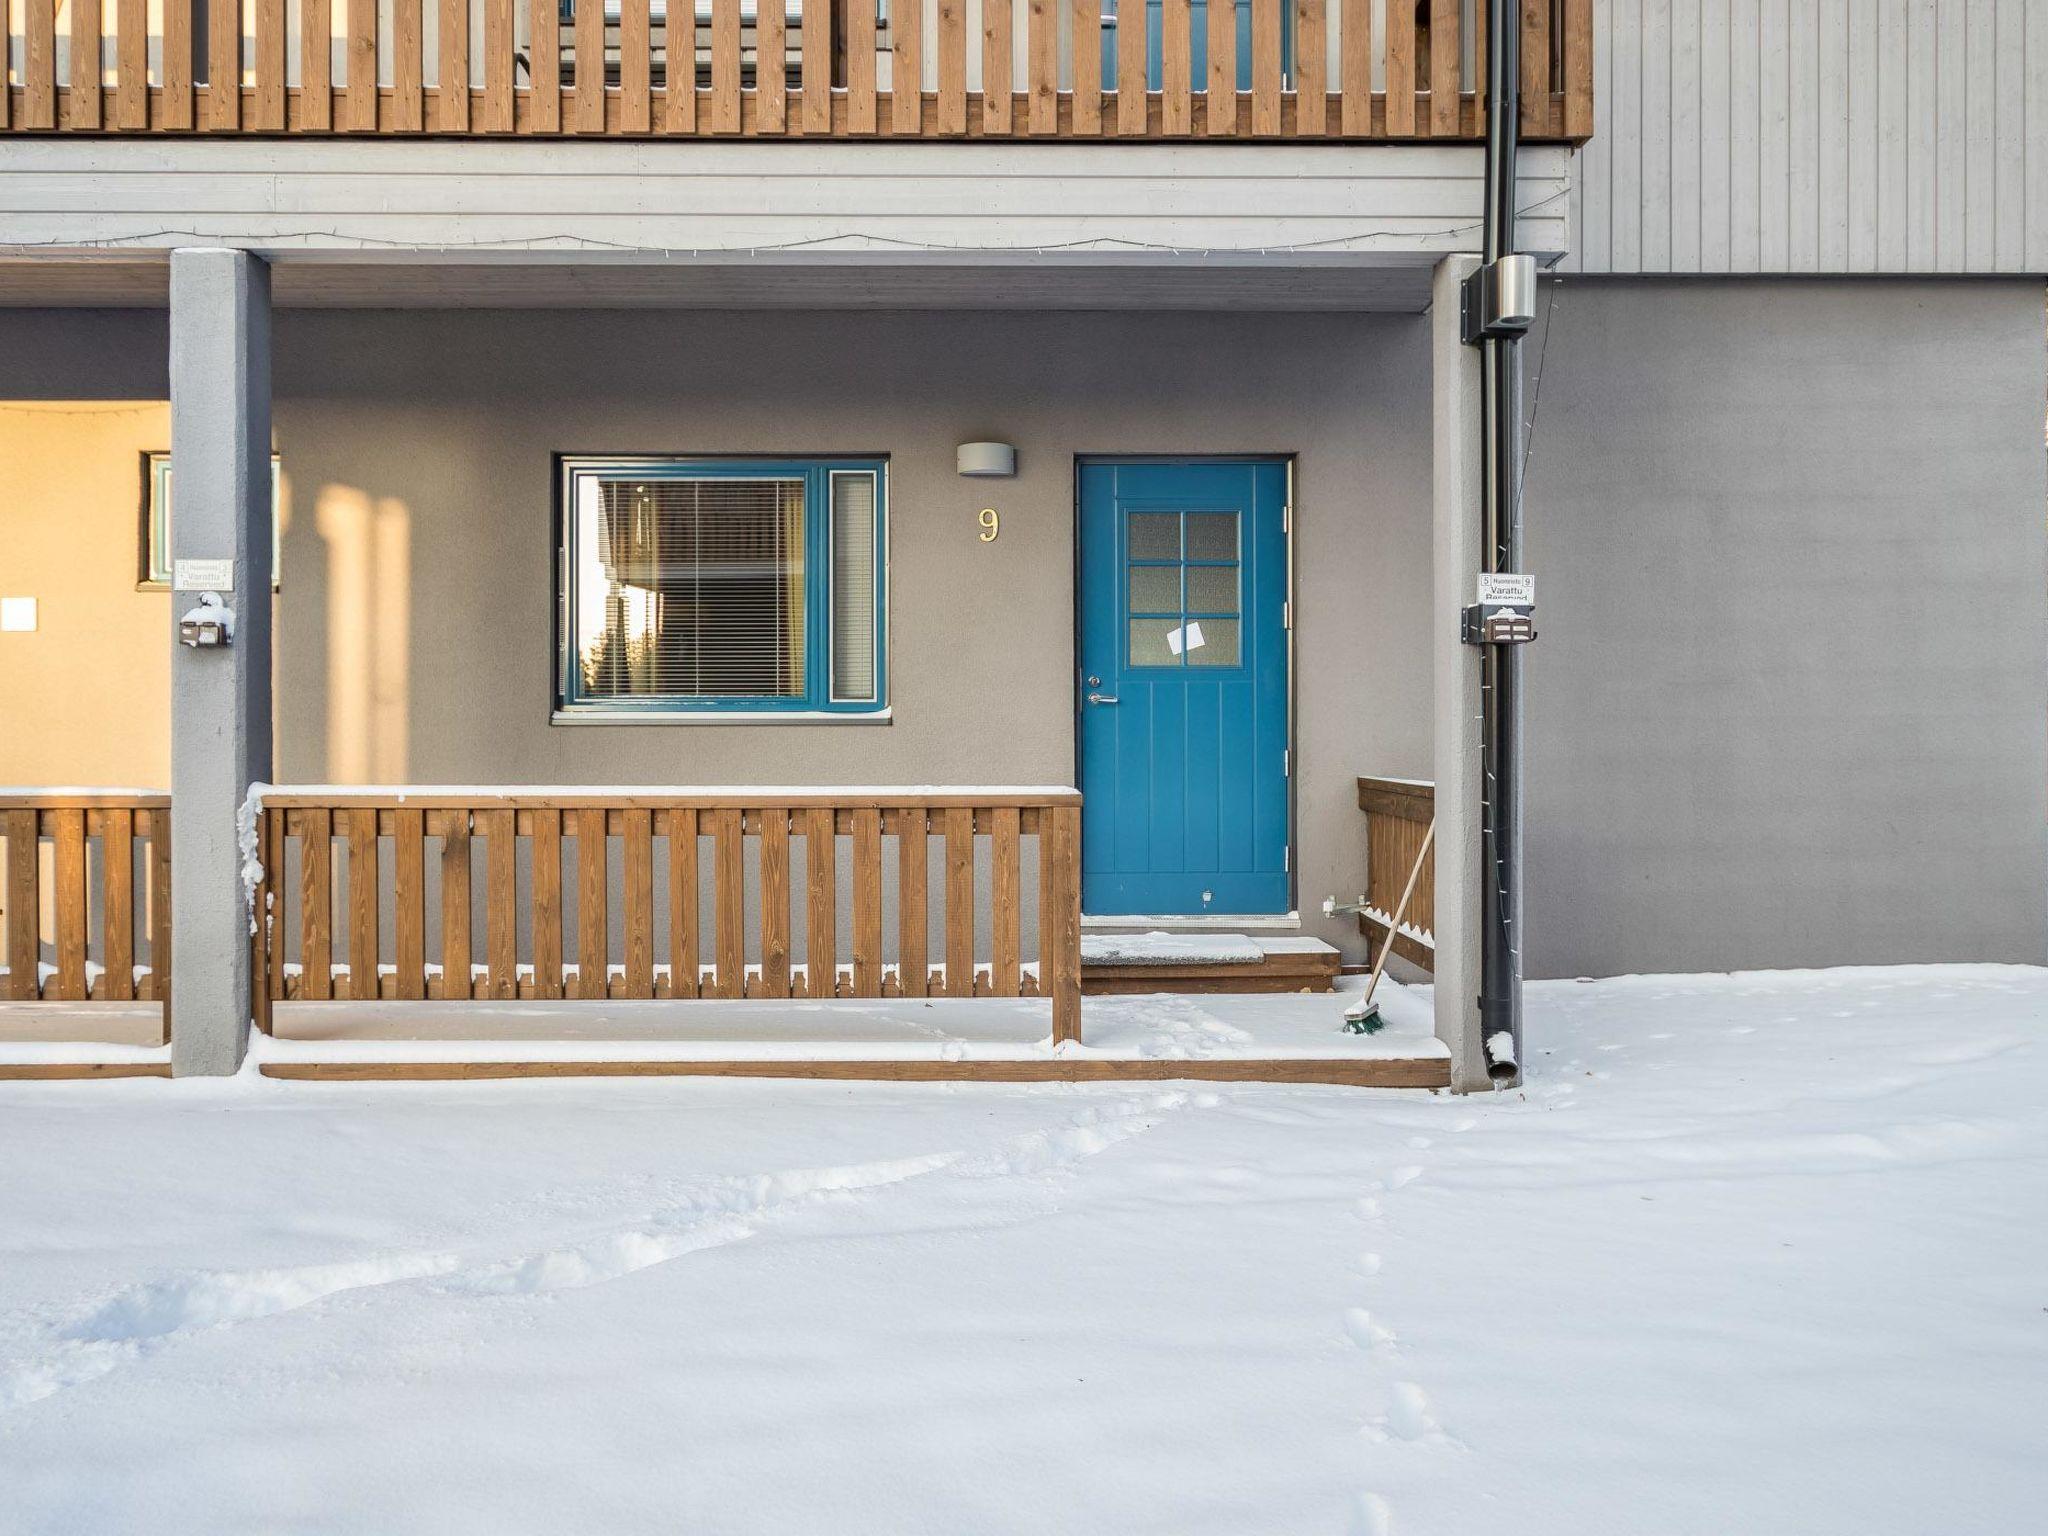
1101, 698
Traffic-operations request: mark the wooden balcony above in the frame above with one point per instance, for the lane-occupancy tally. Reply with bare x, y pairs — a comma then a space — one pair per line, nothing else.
1268, 70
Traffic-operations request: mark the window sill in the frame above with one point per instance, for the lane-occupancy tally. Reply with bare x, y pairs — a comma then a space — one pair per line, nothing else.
723, 717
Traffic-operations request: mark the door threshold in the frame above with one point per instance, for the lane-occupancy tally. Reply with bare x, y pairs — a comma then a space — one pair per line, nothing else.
1269, 922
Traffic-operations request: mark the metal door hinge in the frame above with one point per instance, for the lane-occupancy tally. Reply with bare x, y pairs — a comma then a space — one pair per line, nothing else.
1287, 861
1287, 518
1287, 615
1286, 762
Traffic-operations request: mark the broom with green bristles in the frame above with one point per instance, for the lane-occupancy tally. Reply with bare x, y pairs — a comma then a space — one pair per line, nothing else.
1363, 1018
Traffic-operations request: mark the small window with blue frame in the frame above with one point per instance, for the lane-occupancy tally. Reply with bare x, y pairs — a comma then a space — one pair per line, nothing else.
735, 588
1185, 588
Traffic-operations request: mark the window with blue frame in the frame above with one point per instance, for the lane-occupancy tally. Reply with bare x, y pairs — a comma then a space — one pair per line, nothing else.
723, 586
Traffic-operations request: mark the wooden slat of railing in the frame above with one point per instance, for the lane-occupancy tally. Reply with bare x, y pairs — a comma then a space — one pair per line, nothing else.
362, 903
408, 93
23, 903
817, 66
681, 826
636, 851
996, 103
1266, 67
316, 65
821, 892
131, 65
1400, 69
775, 902
867, 902
1446, 63
451, 80
267, 111
1130, 68
1059, 918
359, 100
544, 56
1042, 44
952, 66
176, 105
223, 64
1176, 68
593, 883
728, 900
1087, 28
267, 945
316, 895
913, 938
1535, 66
1005, 910
1311, 69
771, 71
589, 93
1219, 102
1479, 76
498, 115
501, 902
725, 66
906, 73
85, 63
860, 67
636, 68
545, 851
455, 946
39, 64
160, 910
117, 903
959, 866
1354, 68
67, 840
409, 903
1578, 68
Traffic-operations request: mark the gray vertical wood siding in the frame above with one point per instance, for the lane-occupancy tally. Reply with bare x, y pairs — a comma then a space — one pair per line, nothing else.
1834, 136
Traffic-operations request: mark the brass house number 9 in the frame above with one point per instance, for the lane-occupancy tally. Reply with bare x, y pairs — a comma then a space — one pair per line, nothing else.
991, 525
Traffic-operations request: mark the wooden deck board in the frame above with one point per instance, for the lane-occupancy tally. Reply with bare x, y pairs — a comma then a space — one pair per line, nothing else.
1367, 1072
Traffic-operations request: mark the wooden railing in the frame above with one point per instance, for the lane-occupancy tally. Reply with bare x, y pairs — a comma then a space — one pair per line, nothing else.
703, 887
104, 862
1049, 69
1397, 815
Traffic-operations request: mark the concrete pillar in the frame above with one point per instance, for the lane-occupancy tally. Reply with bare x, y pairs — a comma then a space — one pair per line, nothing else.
1456, 552
220, 698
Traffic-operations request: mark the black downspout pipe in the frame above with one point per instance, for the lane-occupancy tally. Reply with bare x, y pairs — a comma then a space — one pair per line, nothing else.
1500, 983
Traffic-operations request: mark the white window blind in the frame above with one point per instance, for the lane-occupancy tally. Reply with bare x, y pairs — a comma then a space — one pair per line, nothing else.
853, 586
690, 588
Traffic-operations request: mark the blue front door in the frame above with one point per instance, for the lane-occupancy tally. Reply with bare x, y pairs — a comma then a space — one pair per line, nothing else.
1183, 662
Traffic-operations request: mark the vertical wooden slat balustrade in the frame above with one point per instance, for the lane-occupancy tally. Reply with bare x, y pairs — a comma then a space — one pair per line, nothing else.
98, 912
629, 77
981, 871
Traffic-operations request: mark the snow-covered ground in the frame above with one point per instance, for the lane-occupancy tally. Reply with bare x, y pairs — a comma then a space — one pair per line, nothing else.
1749, 1254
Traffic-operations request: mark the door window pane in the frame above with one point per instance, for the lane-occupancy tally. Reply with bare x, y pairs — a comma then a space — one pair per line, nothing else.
1152, 642
1212, 589
1154, 536
1155, 589
1212, 535
1212, 643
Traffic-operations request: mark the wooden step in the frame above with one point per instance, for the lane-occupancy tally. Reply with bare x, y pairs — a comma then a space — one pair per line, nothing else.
1286, 965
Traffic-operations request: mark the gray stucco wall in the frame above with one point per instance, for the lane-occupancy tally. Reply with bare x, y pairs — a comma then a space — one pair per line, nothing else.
1790, 706
414, 634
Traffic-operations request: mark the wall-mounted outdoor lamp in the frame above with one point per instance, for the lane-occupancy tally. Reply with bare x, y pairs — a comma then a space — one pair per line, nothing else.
211, 623
986, 461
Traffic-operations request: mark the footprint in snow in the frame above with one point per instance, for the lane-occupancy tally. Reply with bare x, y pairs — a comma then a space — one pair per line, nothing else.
1370, 1516
1366, 1333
